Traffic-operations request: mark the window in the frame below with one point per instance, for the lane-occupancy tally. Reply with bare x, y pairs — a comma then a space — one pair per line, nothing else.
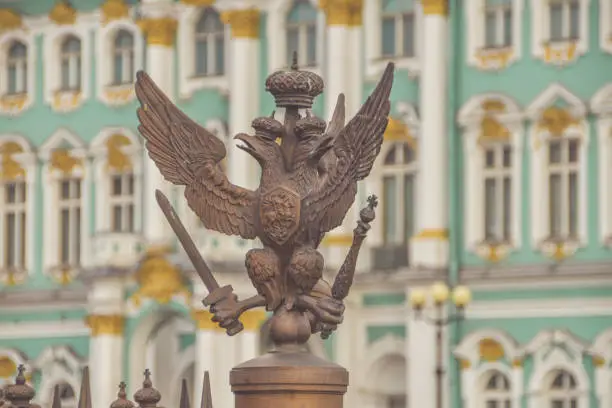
17, 68
563, 170
13, 212
70, 64
399, 187
497, 180
69, 206
66, 395
302, 33
496, 393
209, 44
498, 23
564, 20
123, 55
397, 30
563, 391
122, 202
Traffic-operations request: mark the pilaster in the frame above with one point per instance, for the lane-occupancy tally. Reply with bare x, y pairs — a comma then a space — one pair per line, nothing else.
429, 248
243, 78
159, 30
204, 350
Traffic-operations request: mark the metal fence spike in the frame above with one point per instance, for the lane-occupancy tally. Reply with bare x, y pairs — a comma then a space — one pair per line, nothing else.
184, 403
85, 394
206, 392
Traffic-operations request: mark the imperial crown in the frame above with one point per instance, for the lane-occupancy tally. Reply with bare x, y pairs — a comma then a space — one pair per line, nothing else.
294, 88
309, 126
267, 127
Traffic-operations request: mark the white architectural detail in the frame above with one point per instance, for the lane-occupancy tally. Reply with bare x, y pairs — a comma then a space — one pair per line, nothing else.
471, 118
554, 351
601, 105
539, 138
18, 358
185, 360
372, 24
102, 175
276, 23
602, 349
13, 103
498, 56
51, 178
605, 25
27, 159
70, 99
108, 91
53, 329
188, 82
566, 45
478, 370
58, 365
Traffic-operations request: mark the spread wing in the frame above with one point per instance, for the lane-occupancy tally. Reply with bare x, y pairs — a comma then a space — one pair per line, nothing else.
355, 149
187, 154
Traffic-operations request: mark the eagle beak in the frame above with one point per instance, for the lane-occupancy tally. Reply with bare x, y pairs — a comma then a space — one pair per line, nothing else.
249, 144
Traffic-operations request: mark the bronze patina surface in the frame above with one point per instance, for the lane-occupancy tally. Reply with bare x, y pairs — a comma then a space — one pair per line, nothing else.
308, 183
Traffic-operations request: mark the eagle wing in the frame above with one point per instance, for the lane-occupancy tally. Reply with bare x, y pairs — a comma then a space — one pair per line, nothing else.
355, 149
187, 154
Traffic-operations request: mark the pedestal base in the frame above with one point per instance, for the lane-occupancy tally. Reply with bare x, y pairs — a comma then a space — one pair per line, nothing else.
288, 379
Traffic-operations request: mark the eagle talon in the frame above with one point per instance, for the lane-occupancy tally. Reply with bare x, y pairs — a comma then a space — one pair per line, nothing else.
327, 312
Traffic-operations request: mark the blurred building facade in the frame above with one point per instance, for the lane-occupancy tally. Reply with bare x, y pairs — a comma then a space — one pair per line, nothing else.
496, 173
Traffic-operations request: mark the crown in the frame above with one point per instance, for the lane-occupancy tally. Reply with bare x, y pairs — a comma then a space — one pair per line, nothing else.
309, 126
122, 401
147, 396
20, 391
294, 88
267, 127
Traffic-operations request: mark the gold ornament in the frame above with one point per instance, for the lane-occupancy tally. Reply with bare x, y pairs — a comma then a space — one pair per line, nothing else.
464, 364
7, 367
198, 2
116, 159
243, 23
159, 31
437, 7
342, 12
9, 20
598, 361
158, 279
253, 319
203, 321
105, 324
62, 160
490, 350
397, 131
63, 13
10, 169
517, 362
556, 120
114, 10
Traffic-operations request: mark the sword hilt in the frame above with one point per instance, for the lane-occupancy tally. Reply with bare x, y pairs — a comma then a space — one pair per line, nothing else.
224, 298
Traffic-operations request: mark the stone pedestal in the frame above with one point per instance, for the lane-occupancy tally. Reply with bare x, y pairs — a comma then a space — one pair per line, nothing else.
289, 378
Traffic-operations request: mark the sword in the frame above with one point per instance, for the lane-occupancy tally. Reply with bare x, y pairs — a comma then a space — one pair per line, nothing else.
221, 296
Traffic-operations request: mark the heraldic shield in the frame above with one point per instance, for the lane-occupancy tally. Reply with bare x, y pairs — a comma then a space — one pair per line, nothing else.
279, 212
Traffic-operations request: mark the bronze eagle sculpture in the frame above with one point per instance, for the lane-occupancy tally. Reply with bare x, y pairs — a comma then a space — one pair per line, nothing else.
307, 185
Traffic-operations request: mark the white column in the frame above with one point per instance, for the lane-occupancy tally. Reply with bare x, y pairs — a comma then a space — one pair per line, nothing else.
421, 353
430, 245
205, 351
106, 322
160, 32
245, 85
249, 338
348, 344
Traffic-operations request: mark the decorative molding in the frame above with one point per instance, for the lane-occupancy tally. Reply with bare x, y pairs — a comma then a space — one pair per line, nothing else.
16, 104
9, 20
243, 23
373, 363
37, 330
435, 7
375, 65
114, 10
188, 82
66, 101
562, 52
601, 350
159, 31
110, 325
491, 58
63, 13
110, 94
605, 26
508, 309
601, 105
486, 119
470, 348
346, 13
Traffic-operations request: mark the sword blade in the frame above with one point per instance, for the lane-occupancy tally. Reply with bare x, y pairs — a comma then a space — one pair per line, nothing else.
190, 248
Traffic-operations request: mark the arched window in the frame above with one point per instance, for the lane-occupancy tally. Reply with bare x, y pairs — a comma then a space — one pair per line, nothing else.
209, 44
13, 210
399, 186
497, 187
563, 171
123, 54
122, 201
496, 392
66, 395
17, 67
302, 33
562, 390
498, 23
398, 29
71, 60
564, 20
69, 206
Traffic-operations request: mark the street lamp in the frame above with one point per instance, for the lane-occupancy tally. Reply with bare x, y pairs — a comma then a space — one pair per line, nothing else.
440, 294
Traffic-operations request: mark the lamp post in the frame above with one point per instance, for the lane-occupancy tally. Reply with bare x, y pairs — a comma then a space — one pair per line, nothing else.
440, 294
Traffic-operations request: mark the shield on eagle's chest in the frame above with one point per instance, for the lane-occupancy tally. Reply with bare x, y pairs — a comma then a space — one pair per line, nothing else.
279, 213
